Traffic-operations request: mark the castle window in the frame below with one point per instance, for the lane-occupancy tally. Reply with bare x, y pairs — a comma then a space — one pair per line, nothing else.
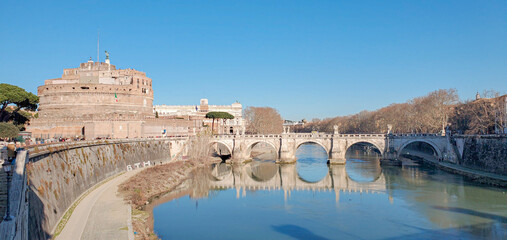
85, 88
73, 88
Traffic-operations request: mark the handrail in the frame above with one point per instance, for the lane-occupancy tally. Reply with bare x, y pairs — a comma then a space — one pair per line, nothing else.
38, 149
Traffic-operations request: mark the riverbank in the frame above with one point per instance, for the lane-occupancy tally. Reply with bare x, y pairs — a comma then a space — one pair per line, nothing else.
472, 174
149, 184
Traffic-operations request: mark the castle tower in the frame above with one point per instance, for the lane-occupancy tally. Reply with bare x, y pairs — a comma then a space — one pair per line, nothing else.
204, 105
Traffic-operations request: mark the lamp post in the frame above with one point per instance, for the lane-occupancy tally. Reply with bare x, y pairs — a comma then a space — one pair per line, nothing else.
7, 168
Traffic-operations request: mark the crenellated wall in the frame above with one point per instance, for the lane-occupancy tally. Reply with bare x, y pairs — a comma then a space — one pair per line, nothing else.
58, 175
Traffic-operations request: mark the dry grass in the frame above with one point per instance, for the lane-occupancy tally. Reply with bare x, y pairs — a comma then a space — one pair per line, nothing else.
148, 184
154, 181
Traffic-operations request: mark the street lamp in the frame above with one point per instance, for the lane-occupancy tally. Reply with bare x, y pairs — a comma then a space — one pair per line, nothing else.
7, 168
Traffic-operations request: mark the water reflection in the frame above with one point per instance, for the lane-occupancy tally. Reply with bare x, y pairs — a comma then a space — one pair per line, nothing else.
311, 162
358, 201
363, 162
363, 169
261, 171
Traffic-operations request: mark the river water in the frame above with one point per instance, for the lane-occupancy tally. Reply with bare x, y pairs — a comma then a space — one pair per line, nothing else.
311, 200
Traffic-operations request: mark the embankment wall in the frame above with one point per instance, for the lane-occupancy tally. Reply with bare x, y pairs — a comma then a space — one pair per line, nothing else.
58, 175
485, 153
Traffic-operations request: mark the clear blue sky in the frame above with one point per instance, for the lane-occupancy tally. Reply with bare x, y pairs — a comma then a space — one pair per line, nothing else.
305, 58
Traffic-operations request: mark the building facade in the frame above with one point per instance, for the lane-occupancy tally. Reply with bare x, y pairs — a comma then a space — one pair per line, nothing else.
198, 112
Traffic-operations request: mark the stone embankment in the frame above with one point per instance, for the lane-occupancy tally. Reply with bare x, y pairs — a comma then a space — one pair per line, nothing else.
482, 158
484, 153
58, 175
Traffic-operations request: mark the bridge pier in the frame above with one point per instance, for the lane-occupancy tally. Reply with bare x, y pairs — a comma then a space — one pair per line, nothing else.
287, 149
336, 155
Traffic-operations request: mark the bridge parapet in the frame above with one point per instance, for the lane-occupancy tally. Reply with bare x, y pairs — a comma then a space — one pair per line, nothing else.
417, 135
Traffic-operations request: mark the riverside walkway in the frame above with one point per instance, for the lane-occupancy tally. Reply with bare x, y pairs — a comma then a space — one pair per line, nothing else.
101, 214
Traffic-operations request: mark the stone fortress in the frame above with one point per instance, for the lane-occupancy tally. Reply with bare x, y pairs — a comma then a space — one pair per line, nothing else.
97, 100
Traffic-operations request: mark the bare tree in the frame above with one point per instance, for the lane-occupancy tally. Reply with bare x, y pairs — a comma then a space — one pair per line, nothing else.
263, 120
481, 116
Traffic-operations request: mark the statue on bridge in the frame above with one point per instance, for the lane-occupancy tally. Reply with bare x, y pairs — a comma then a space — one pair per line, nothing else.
336, 129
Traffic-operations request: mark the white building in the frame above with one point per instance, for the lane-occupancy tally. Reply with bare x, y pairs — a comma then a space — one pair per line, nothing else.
230, 126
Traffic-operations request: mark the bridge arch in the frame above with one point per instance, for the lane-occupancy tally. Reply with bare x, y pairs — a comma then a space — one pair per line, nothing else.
312, 141
433, 145
253, 143
373, 143
229, 148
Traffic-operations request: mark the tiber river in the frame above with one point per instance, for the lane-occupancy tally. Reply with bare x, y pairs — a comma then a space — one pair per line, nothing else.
309, 200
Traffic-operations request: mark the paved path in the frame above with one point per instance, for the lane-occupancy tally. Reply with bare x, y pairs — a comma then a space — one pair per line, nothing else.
101, 214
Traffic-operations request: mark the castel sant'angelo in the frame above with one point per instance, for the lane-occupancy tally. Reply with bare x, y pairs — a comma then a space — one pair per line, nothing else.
97, 100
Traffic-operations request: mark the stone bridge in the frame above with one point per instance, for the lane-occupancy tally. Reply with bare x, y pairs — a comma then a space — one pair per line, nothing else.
271, 176
335, 145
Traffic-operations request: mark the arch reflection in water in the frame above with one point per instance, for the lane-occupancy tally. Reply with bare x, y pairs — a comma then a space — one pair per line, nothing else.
363, 162
261, 171
272, 176
311, 162
220, 171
